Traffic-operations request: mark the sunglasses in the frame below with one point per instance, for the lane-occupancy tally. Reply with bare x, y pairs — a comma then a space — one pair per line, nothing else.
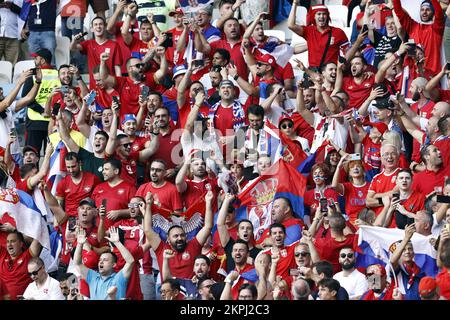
34, 273
259, 64
127, 145
343, 255
138, 65
287, 125
303, 254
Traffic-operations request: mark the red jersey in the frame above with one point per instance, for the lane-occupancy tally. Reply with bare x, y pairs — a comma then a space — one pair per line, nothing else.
124, 50
117, 197
425, 181
414, 203
93, 50
443, 281
223, 119
372, 154
382, 183
138, 144
22, 184
129, 92
182, 265
358, 92
286, 261
185, 109
14, 272
317, 42
425, 110
328, 249
196, 188
73, 193
172, 55
444, 95
169, 148
236, 55
429, 35
312, 197
355, 199
129, 167
133, 287
241, 280
104, 98
165, 197
443, 144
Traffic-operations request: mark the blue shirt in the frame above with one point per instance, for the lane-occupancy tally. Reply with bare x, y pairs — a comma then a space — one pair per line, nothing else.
98, 285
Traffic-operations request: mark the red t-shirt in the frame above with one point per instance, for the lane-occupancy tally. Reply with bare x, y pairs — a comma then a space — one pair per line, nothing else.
22, 184
169, 149
133, 287
414, 203
166, 196
124, 50
328, 249
236, 55
240, 281
443, 281
129, 167
182, 265
425, 181
317, 42
223, 119
195, 189
286, 261
93, 50
103, 98
129, 92
372, 154
138, 143
117, 197
444, 95
138, 48
14, 273
382, 183
425, 110
73, 193
444, 147
184, 111
358, 93
312, 197
355, 199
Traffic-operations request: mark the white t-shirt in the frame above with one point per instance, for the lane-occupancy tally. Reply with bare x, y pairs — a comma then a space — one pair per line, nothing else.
5, 126
331, 128
50, 291
355, 283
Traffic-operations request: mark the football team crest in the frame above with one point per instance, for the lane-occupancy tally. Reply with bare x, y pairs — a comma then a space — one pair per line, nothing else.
9, 195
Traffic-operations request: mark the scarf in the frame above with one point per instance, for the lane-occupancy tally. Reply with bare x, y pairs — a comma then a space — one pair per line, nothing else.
412, 271
238, 115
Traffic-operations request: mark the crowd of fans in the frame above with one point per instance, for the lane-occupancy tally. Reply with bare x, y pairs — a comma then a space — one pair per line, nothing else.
178, 113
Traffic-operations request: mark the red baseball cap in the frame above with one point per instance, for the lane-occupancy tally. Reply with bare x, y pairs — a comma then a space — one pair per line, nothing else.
267, 59
382, 127
284, 117
427, 286
176, 11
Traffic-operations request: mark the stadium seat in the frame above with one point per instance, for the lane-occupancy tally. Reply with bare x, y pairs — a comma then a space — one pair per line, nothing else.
297, 39
300, 17
21, 66
5, 71
338, 12
276, 33
332, 2
62, 54
283, 26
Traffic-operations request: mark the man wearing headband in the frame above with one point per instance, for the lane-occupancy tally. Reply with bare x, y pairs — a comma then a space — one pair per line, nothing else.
428, 32
322, 47
379, 287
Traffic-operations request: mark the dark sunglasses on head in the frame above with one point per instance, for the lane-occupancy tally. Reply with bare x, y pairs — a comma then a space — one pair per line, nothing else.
343, 255
287, 125
303, 254
34, 273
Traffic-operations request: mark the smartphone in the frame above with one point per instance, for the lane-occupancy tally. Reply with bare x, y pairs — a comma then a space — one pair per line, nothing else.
33, 71
442, 199
116, 100
365, 28
198, 63
395, 196
378, 1
323, 204
64, 89
342, 60
411, 48
294, 272
12, 132
56, 108
72, 223
145, 91
168, 43
91, 97
104, 201
447, 227
447, 66
355, 156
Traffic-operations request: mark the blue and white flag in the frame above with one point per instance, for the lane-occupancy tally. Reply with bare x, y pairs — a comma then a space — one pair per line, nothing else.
29, 220
54, 174
374, 244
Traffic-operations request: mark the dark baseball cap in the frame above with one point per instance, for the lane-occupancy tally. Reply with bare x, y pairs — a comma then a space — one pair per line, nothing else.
44, 53
30, 148
88, 201
384, 103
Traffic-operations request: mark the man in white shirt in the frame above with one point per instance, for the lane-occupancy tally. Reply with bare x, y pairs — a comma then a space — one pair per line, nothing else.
350, 278
43, 286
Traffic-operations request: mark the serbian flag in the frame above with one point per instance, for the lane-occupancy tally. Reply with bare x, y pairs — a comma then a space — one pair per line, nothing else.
280, 180
55, 175
375, 244
191, 221
29, 219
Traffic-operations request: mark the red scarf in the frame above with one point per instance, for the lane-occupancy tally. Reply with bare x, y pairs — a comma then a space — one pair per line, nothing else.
412, 270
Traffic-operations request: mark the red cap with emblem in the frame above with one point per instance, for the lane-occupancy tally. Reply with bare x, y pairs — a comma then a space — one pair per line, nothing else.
267, 59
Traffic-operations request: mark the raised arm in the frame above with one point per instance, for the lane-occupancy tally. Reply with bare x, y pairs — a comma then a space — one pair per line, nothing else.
145, 154
395, 257
126, 255
385, 64
75, 44
105, 74
375, 93
181, 175
193, 114
31, 95
251, 28
82, 125
166, 273
43, 170
336, 177
312, 248
181, 42
251, 90
152, 237
435, 83
221, 21
355, 46
58, 212
204, 232
9, 99
163, 67
65, 136
224, 235
111, 144
101, 224
200, 42
81, 239
125, 29
298, 29
111, 26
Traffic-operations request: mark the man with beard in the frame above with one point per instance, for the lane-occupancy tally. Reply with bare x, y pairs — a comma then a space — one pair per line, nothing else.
231, 42
428, 33
324, 41
204, 289
120, 146
129, 88
244, 233
359, 84
423, 105
94, 48
99, 282
14, 259
75, 186
115, 192
165, 194
181, 265
191, 188
215, 77
353, 281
